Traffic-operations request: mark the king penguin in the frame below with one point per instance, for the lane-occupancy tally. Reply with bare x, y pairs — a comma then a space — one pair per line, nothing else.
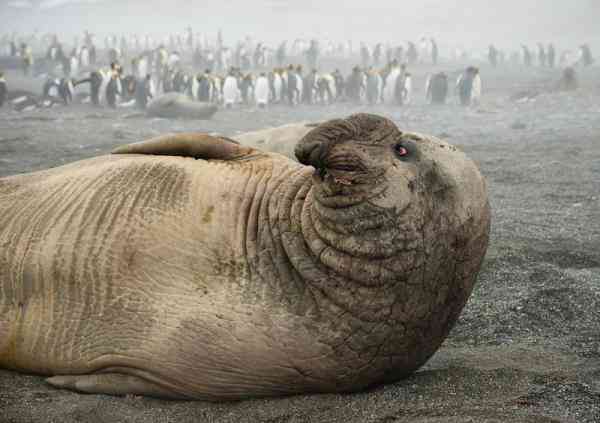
261, 91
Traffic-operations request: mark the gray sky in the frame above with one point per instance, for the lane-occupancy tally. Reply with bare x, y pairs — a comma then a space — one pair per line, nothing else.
467, 22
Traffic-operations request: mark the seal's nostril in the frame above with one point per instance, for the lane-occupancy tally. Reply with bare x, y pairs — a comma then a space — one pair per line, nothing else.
315, 155
308, 153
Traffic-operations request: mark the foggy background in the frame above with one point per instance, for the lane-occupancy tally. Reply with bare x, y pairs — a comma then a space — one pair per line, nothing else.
469, 23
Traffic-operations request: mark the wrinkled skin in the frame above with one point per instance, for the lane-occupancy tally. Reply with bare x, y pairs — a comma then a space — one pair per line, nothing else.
179, 106
192, 267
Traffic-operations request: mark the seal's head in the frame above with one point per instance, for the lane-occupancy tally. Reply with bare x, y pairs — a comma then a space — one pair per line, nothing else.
361, 158
393, 190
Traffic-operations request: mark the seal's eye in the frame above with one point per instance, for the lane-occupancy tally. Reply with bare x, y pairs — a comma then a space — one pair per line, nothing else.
400, 150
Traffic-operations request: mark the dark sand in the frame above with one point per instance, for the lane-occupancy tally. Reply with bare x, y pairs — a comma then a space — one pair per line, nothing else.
527, 346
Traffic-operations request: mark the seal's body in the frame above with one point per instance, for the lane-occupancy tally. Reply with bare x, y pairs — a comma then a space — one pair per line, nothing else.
189, 266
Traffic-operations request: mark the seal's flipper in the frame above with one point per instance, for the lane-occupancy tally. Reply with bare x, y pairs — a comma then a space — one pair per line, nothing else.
112, 384
197, 145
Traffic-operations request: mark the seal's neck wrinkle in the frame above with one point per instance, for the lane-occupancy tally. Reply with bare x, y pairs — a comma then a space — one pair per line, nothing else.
358, 285
359, 228
361, 245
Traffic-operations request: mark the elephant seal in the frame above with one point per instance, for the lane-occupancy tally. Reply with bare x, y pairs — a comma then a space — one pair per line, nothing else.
179, 106
189, 266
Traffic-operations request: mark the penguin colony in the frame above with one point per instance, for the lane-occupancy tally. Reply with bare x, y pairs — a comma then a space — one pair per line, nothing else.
131, 71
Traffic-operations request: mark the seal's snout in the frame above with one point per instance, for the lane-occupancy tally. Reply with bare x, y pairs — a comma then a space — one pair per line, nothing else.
320, 148
311, 154
312, 150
